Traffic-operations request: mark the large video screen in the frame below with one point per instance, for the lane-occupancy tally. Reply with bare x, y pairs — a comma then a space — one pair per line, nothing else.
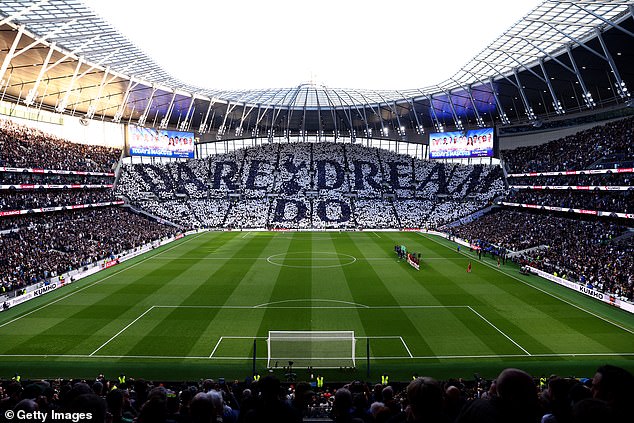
461, 144
160, 142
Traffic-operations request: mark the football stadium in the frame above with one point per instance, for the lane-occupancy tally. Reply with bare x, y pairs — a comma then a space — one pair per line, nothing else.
456, 252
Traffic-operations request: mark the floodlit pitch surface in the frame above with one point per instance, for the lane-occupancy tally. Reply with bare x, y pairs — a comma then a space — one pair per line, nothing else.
193, 309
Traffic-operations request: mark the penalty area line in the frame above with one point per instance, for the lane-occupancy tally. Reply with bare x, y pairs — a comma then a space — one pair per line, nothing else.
496, 328
122, 330
406, 347
216, 347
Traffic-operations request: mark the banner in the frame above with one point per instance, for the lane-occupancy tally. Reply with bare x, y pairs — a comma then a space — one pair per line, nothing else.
601, 296
413, 262
109, 263
58, 208
569, 210
52, 171
49, 186
574, 187
573, 172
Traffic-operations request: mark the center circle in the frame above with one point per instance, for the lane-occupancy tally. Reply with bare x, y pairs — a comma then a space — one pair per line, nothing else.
310, 259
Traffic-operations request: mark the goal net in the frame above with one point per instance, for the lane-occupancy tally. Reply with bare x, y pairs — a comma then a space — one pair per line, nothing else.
319, 349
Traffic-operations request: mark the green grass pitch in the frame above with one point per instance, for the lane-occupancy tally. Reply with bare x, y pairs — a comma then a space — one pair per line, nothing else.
194, 309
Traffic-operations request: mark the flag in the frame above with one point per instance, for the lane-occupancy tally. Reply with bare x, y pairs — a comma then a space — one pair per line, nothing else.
469, 268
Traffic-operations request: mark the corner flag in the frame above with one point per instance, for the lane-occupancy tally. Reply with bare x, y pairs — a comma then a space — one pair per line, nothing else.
469, 268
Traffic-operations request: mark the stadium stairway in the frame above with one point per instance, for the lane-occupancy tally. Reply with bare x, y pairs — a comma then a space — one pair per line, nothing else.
625, 238
527, 250
150, 215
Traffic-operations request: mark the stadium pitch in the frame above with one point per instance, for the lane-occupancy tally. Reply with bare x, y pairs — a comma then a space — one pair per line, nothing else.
197, 307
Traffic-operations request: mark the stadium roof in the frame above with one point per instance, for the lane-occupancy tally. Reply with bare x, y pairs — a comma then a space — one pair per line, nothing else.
563, 57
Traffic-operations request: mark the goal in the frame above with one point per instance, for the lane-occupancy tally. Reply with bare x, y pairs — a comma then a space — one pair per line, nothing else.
318, 349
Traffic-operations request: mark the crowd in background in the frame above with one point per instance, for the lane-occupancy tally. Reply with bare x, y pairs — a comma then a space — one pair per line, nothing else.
576, 152
514, 396
581, 250
47, 245
24, 146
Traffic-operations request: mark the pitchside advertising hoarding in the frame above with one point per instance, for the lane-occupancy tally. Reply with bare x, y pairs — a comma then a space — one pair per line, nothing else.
462, 144
159, 142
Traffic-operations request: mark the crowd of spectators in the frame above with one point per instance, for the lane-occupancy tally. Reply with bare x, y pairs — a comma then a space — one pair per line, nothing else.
43, 246
311, 185
610, 201
576, 152
580, 250
32, 199
514, 396
24, 146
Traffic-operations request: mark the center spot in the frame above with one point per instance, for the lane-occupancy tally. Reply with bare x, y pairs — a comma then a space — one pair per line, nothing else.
311, 259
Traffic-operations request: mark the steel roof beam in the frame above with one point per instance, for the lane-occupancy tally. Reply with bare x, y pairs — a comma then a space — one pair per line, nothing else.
143, 118
17, 15
556, 103
10, 53
579, 43
61, 106
168, 113
44, 37
93, 107
551, 22
620, 85
434, 116
32, 94
562, 64
601, 18
587, 96
184, 124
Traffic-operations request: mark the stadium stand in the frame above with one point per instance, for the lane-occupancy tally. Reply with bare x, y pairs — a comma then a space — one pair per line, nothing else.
40, 247
514, 396
27, 147
601, 147
311, 185
35, 247
580, 250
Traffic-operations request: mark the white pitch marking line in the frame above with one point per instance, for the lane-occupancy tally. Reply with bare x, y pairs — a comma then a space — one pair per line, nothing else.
429, 357
98, 281
121, 331
245, 235
216, 347
496, 328
377, 235
535, 287
273, 306
245, 337
311, 299
406, 347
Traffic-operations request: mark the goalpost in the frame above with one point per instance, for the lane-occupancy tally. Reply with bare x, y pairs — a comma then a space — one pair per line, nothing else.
319, 349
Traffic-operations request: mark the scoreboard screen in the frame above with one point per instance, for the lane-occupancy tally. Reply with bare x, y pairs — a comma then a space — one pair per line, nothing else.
159, 142
462, 144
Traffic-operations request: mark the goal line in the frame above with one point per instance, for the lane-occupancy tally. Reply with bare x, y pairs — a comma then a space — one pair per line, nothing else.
302, 349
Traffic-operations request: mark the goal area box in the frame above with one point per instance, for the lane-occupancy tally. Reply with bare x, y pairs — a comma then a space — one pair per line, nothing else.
318, 349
